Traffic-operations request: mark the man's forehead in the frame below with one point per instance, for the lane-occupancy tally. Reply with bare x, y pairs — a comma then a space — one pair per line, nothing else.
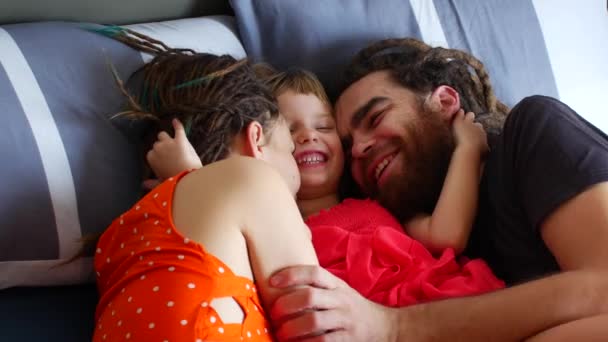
377, 83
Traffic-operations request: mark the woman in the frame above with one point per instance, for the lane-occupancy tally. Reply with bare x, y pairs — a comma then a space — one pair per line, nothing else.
190, 261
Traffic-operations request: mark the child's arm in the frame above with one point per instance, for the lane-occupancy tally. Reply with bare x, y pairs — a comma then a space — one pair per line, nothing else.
170, 156
450, 224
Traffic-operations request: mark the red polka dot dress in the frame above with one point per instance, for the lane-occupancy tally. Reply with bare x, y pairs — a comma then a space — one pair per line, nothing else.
156, 285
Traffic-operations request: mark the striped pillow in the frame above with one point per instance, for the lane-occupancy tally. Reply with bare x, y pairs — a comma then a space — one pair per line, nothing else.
67, 169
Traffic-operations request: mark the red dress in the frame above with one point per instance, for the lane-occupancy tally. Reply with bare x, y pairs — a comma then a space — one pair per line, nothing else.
362, 243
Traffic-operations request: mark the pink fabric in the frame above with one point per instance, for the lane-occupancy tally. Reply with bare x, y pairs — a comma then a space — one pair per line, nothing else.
363, 244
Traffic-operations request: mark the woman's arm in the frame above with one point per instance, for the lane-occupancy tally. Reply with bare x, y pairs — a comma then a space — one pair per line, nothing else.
449, 226
242, 211
273, 227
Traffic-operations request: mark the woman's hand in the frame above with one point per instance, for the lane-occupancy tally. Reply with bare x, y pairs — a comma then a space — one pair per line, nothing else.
170, 156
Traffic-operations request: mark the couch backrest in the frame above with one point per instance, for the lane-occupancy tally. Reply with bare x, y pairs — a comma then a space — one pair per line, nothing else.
108, 11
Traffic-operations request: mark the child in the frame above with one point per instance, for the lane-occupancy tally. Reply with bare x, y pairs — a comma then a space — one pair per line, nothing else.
180, 264
358, 240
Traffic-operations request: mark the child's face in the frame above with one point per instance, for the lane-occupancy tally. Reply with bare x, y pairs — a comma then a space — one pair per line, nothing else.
318, 150
279, 152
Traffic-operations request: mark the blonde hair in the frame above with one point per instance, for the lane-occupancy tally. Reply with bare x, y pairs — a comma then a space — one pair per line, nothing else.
297, 80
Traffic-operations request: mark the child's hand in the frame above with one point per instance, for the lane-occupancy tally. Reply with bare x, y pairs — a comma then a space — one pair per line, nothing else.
170, 156
468, 133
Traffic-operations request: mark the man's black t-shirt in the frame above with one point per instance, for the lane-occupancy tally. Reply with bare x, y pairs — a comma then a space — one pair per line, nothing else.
546, 155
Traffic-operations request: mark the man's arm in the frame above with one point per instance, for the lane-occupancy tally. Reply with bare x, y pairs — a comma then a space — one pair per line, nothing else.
577, 232
577, 235
511, 314
587, 329
561, 170
507, 315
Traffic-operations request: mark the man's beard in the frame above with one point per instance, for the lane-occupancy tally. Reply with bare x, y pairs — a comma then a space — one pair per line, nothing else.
426, 158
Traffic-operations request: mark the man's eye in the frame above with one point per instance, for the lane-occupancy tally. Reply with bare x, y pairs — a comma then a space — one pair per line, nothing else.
375, 119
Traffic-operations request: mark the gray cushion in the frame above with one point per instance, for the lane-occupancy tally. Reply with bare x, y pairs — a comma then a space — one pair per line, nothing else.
71, 171
323, 35
68, 169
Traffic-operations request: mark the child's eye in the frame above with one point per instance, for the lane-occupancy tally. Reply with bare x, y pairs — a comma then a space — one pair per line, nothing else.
325, 128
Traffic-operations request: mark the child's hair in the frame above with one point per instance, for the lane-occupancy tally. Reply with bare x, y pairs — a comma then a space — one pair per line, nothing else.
298, 80
422, 68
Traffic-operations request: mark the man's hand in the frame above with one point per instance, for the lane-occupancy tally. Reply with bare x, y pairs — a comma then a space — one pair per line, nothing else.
324, 308
170, 156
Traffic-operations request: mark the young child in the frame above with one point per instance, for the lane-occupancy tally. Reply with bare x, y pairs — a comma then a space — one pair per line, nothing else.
358, 240
180, 264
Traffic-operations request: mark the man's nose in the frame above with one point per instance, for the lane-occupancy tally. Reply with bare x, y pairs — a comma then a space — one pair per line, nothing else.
362, 148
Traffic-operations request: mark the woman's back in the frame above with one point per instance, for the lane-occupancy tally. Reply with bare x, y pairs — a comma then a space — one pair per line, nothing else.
230, 205
196, 242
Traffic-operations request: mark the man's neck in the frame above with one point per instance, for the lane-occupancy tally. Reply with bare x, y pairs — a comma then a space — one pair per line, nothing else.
313, 206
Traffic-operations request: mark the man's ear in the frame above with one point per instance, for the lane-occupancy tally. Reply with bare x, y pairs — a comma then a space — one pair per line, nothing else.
253, 140
444, 100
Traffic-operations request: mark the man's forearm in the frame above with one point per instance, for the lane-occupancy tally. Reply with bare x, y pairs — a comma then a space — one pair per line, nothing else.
507, 315
587, 329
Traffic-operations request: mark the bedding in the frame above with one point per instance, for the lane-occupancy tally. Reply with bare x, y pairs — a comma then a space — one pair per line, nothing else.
70, 170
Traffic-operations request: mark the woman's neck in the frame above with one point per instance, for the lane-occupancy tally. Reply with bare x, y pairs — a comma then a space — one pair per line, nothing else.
313, 206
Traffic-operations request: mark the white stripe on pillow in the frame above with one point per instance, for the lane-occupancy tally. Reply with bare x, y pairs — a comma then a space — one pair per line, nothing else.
429, 23
52, 152
220, 36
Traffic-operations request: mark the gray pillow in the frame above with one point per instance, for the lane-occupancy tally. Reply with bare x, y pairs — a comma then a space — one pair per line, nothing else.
323, 35
68, 169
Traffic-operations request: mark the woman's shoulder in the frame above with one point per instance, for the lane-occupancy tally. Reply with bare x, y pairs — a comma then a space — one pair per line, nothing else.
237, 174
246, 167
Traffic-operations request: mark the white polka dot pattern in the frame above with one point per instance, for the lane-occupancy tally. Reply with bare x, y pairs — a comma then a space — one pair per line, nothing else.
145, 308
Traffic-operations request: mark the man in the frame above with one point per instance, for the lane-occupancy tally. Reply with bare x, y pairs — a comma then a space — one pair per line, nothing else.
543, 208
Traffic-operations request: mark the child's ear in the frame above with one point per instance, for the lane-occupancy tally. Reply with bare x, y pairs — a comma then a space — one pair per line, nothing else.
254, 140
444, 100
